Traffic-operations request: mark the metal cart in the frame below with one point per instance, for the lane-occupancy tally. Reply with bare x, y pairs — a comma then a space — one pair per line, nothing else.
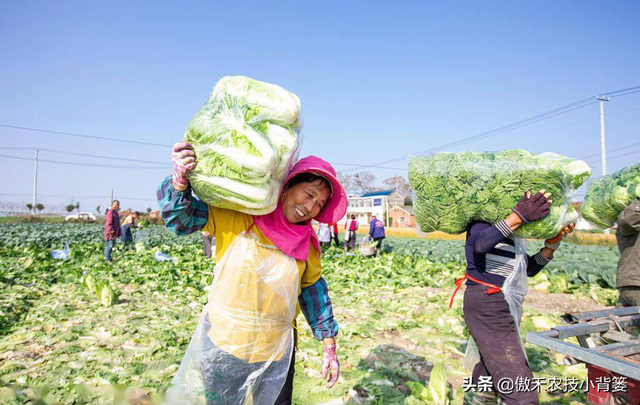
605, 346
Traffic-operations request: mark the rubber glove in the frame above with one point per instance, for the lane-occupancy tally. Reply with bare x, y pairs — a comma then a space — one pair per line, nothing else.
330, 365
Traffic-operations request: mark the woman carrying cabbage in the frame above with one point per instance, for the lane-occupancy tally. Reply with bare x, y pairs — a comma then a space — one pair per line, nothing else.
267, 265
492, 263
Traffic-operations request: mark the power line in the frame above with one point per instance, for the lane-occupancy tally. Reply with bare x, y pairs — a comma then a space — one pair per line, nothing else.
79, 196
83, 164
85, 154
102, 138
611, 150
616, 156
518, 124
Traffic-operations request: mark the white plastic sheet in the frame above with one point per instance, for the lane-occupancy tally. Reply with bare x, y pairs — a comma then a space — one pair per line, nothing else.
241, 350
61, 254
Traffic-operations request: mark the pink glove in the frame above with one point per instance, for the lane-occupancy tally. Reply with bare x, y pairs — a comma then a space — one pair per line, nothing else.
330, 362
184, 161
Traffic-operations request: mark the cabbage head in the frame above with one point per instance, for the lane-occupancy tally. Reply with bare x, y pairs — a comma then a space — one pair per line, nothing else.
246, 138
451, 190
609, 195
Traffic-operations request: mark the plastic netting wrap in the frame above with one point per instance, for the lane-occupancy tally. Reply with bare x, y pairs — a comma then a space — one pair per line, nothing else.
246, 137
451, 190
241, 350
609, 195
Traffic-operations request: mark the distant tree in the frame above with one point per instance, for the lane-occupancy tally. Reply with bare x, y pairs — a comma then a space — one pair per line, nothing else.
39, 207
363, 182
98, 210
149, 210
78, 207
399, 184
346, 180
70, 207
30, 206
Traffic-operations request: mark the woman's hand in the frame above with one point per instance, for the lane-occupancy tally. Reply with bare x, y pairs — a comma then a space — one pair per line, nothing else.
533, 207
554, 243
184, 160
330, 363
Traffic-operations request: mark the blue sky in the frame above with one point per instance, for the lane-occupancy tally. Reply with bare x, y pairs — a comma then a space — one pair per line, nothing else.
377, 80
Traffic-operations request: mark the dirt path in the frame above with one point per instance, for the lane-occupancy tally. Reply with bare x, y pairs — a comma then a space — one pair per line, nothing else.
554, 303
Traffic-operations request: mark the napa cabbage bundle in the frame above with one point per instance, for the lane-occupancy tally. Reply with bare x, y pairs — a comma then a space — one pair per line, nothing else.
454, 189
609, 195
246, 138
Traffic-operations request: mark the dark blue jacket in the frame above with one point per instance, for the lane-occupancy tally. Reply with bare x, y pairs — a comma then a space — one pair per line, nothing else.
376, 229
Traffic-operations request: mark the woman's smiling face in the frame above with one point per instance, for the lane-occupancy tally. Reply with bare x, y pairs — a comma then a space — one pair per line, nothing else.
304, 200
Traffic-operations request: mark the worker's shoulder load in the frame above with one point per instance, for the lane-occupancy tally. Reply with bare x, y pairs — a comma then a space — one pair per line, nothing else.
609, 195
246, 138
454, 189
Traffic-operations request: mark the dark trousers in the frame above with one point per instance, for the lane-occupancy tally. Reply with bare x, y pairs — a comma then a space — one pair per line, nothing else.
108, 248
336, 239
494, 330
379, 242
629, 297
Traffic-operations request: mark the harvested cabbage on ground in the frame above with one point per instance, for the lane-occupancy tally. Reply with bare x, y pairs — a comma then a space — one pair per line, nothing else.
246, 138
609, 195
454, 189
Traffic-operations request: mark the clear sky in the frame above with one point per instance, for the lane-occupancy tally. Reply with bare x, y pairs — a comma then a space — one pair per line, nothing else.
377, 80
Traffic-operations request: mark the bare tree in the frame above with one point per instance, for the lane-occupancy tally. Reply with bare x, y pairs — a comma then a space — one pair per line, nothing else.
98, 210
363, 182
399, 184
77, 207
346, 180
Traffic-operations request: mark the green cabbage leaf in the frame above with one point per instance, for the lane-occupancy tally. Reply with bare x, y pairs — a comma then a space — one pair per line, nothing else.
246, 137
607, 196
454, 189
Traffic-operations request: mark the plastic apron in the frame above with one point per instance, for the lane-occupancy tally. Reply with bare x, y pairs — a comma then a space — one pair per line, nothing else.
241, 350
515, 289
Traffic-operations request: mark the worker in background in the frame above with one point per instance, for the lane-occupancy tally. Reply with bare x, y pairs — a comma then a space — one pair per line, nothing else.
112, 230
490, 251
376, 231
334, 233
128, 223
207, 240
324, 235
628, 274
351, 226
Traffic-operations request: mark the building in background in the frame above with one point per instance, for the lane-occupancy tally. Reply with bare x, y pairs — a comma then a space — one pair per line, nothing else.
376, 203
402, 217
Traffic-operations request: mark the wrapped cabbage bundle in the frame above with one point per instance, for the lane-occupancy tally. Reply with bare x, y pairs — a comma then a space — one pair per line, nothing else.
246, 138
609, 195
451, 190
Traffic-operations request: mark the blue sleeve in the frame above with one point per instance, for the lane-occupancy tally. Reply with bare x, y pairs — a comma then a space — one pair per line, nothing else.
484, 237
316, 306
536, 263
183, 212
371, 228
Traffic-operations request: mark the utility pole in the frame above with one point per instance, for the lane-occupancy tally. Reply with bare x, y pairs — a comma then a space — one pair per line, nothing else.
603, 147
111, 203
35, 183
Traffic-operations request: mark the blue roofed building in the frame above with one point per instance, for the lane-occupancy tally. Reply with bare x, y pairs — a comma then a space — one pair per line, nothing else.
376, 203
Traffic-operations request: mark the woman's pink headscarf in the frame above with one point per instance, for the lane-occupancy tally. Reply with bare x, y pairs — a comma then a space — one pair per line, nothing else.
294, 239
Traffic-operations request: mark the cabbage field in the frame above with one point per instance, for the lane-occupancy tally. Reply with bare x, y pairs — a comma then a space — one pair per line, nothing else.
62, 342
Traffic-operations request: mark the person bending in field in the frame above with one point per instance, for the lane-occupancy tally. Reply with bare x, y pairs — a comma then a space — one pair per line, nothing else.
628, 273
491, 257
127, 235
376, 231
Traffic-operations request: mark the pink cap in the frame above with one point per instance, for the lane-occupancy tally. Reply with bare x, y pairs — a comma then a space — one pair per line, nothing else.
336, 207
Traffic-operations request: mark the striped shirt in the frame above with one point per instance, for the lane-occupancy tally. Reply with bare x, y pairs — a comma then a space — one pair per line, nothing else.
491, 254
184, 213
